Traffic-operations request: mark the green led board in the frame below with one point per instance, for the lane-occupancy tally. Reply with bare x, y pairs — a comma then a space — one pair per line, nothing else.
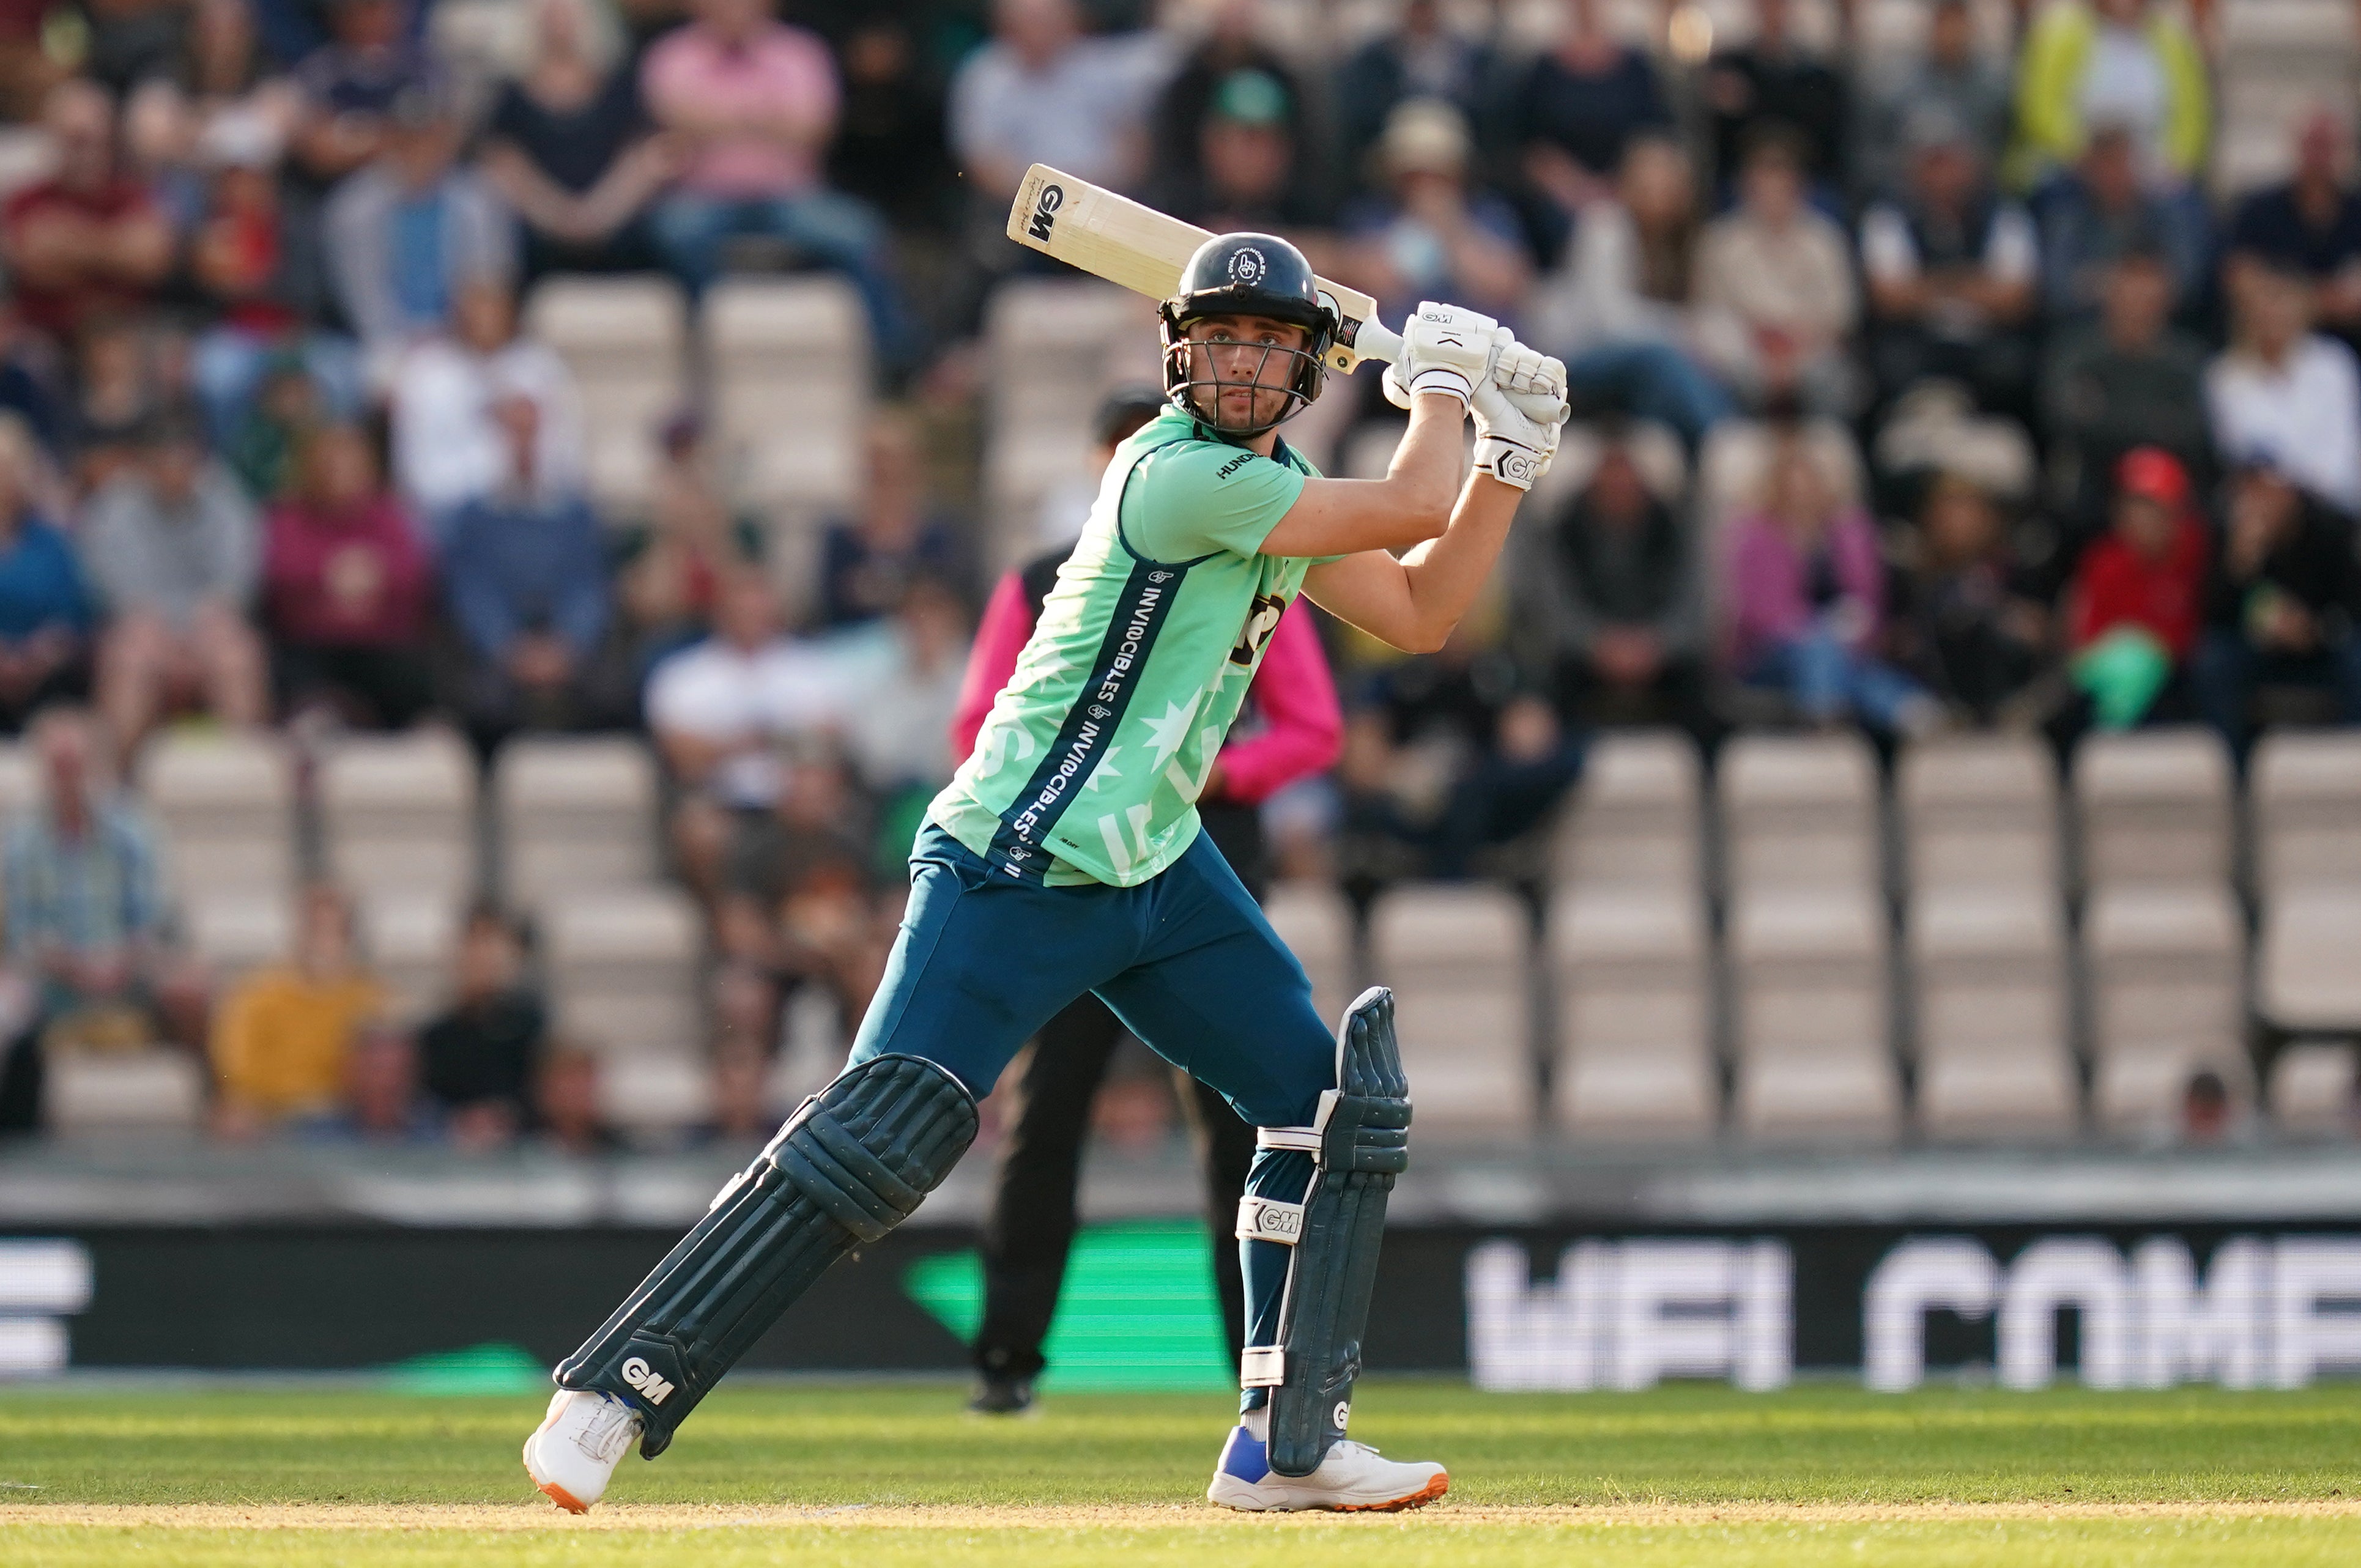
1137, 1310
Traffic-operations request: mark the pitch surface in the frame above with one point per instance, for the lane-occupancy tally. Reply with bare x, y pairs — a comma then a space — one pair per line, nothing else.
887, 1475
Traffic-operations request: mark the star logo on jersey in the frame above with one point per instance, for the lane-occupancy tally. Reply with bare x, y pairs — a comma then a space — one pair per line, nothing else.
1044, 661
1167, 734
1105, 770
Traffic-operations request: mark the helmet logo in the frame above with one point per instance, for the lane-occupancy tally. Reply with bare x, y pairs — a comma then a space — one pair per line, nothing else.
1248, 267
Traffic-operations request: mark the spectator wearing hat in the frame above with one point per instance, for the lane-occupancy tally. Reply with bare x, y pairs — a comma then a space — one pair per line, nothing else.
2100, 212
87, 242
1775, 288
1250, 173
412, 231
1771, 83
2311, 224
1422, 56
524, 573
2281, 605
1573, 112
449, 448
755, 103
347, 589
570, 147
1429, 234
2137, 596
2286, 394
1952, 78
2129, 378
1953, 273
1231, 44
174, 551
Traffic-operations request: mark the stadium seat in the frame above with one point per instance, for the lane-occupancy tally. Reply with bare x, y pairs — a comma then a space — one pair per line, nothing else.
226, 804
2166, 973
2154, 807
1989, 999
1634, 1013
20, 779
1814, 1056
2312, 1089
1054, 348
1801, 812
1655, 452
652, 1093
235, 930
624, 967
788, 363
1312, 918
398, 815
1637, 817
410, 941
1979, 811
2303, 802
1457, 958
2306, 980
147, 1089
573, 813
626, 340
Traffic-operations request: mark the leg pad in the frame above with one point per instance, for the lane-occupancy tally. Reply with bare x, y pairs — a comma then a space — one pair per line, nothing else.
1360, 1143
850, 1165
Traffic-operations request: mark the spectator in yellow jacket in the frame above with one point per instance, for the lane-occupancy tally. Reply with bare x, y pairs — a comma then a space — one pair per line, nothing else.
281, 1037
2128, 63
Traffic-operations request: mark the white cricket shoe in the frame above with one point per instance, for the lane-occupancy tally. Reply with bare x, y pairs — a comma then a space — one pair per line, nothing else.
1352, 1478
578, 1445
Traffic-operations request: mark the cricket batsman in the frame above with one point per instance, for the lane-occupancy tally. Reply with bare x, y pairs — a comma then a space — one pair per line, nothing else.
1065, 857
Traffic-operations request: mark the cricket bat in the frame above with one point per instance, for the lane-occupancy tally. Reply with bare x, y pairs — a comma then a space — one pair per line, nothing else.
1115, 238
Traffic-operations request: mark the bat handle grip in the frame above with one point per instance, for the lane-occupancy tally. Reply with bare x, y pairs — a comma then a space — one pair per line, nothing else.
1378, 341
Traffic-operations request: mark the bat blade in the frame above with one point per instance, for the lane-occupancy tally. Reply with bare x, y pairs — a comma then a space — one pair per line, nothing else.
1112, 236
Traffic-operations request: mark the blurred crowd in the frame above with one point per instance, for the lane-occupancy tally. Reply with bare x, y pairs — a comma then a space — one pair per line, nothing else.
1944, 390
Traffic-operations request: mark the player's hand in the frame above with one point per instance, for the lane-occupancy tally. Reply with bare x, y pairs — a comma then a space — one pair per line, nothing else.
1520, 408
1445, 349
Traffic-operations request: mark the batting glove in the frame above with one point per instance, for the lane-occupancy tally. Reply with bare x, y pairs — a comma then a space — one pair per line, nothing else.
1445, 349
1518, 408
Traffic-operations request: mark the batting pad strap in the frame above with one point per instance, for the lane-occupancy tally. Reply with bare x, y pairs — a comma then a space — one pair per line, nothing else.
1262, 1366
1269, 1219
1304, 1140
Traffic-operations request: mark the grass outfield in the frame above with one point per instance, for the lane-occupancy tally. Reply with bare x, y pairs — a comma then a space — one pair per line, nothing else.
885, 1476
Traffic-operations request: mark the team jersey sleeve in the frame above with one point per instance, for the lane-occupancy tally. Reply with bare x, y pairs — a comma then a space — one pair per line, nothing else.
1195, 497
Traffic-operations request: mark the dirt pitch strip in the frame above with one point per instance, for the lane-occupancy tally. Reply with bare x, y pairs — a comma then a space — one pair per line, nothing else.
539, 1517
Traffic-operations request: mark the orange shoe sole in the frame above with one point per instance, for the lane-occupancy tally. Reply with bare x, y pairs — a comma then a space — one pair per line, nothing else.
562, 1497
1418, 1500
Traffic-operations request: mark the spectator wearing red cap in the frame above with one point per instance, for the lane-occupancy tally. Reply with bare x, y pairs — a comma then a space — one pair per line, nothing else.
2135, 604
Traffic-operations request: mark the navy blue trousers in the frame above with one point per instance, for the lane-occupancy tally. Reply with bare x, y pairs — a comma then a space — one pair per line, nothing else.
1186, 960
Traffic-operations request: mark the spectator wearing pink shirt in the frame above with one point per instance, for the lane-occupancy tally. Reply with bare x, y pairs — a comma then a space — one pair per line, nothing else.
1807, 598
755, 103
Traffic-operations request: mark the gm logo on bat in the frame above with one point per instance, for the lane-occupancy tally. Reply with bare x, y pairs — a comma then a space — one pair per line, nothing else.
1045, 211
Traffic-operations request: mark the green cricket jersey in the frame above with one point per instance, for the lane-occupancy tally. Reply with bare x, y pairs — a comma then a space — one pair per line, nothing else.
1089, 766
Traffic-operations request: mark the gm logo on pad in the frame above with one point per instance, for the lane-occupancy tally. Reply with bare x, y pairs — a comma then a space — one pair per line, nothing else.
646, 1379
1045, 211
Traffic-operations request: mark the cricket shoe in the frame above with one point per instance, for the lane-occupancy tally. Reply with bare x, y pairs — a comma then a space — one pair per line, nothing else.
578, 1445
1352, 1478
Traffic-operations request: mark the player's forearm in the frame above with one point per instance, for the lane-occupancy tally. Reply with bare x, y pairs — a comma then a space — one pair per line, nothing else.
1444, 577
1410, 505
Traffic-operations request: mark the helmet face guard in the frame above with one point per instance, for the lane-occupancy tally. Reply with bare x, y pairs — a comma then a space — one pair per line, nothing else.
1245, 275
1200, 396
